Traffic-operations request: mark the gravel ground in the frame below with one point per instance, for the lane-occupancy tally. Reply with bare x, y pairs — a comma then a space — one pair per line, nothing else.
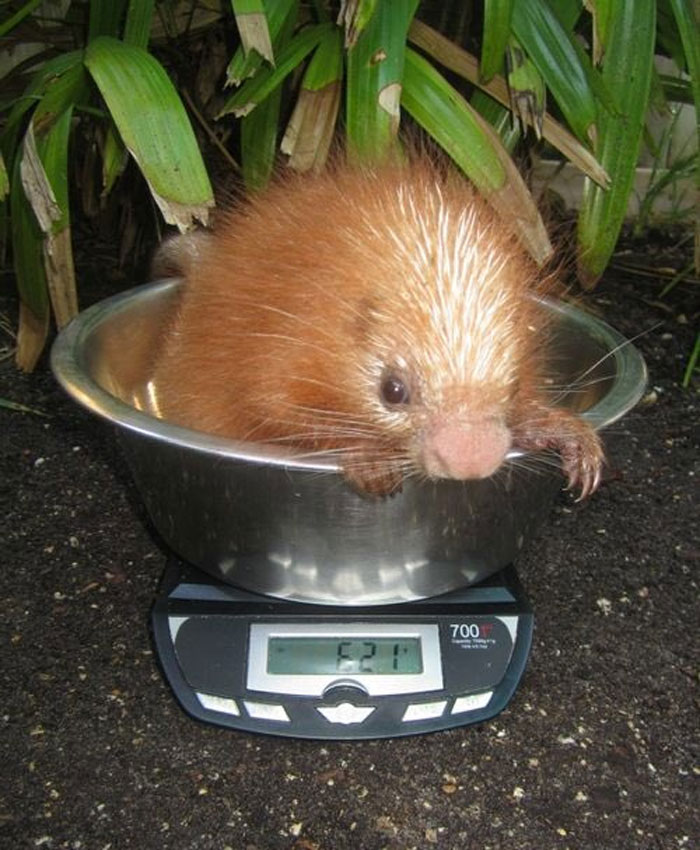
598, 749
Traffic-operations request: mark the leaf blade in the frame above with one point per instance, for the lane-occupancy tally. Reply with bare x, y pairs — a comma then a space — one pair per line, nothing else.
475, 147
154, 126
259, 141
687, 15
255, 90
627, 72
309, 133
375, 67
27, 244
497, 24
552, 51
253, 28
463, 63
139, 18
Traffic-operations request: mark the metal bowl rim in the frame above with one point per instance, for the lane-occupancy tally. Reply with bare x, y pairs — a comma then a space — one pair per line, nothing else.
69, 368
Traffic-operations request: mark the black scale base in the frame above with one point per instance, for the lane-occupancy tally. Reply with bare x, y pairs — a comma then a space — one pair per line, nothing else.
468, 650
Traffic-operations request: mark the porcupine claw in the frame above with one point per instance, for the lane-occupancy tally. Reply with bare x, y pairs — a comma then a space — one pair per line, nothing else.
582, 461
574, 439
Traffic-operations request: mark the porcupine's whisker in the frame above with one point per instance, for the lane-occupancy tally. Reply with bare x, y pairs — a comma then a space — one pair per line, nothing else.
328, 427
317, 430
538, 464
297, 318
335, 421
563, 424
578, 381
315, 382
322, 412
612, 352
573, 387
330, 424
284, 337
310, 436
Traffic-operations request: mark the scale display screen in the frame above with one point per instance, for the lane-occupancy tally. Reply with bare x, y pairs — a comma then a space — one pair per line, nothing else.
309, 656
306, 658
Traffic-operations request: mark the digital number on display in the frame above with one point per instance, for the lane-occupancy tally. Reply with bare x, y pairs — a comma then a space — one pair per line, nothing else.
330, 656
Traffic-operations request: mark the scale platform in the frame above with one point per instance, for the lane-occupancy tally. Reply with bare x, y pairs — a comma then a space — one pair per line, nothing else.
266, 665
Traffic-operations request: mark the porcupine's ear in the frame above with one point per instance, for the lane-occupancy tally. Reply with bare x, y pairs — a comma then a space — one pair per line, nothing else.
176, 255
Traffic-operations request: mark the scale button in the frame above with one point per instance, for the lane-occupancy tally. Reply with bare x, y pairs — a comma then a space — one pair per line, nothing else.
346, 713
471, 702
222, 704
266, 711
424, 710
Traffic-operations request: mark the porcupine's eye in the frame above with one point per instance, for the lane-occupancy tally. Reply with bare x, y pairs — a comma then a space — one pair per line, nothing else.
394, 391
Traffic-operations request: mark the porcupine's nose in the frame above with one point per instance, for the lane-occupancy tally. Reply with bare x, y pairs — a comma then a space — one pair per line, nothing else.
466, 450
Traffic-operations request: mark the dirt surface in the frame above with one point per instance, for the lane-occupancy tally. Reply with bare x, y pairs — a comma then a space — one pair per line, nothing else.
598, 749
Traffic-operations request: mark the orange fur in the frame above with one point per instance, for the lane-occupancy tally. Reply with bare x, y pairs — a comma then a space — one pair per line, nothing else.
307, 295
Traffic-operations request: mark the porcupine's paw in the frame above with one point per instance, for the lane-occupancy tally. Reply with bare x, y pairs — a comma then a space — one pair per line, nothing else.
371, 476
580, 448
582, 460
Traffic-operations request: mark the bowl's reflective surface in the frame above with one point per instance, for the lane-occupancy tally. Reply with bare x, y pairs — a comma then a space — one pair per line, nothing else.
263, 520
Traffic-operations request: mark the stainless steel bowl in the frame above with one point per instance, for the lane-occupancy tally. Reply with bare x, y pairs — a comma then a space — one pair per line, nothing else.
258, 518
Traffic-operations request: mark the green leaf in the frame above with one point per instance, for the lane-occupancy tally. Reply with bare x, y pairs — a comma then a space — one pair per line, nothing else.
27, 249
355, 17
626, 70
4, 179
21, 408
45, 181
552, 51
527, 90
252, 27
114, 159
259, 141
154, 126
139, 18
497, 20
446, 116
603, 11
52, 149
568, 12
19, 16
279, 14
42, 169
46, 77
676, 89
458, 60
499, 117
668, 36
39, 202
326, 64
259, 130
374, 77
64, 92
309, 133
474, 147
105, 18
687, 14
255, 90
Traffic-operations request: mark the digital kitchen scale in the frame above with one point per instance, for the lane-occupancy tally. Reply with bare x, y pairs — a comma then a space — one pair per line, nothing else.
260, 664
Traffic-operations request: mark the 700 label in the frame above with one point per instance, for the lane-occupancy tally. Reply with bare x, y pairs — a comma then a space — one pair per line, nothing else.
466, 631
